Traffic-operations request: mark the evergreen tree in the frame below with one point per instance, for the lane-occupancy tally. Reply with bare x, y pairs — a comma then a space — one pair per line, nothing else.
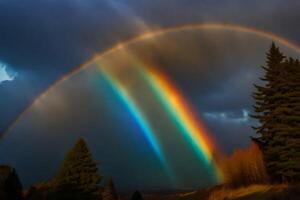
109, 192
278, 112
78, 172
285, 145
264, 103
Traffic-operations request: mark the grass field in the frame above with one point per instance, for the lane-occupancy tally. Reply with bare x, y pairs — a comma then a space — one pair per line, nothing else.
253, 192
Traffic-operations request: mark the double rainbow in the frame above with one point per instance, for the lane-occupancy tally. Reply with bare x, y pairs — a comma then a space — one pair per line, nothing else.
170, 97
174, 104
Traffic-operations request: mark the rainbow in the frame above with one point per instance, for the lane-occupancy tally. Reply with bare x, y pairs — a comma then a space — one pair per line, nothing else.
177, 108
151, 35
170, 97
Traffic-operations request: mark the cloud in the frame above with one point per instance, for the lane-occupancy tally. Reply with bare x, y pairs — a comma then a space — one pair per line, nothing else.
5, 75
229, 117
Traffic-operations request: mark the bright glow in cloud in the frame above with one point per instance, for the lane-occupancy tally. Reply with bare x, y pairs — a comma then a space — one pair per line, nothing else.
228, 117
5, 75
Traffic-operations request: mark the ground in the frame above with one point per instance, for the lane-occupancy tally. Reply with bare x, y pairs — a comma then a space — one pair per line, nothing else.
254, 192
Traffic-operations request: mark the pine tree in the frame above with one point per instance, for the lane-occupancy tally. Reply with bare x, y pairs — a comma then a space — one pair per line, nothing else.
286, 142
264, 95
277, 110
79, 172
109, 192
265, 105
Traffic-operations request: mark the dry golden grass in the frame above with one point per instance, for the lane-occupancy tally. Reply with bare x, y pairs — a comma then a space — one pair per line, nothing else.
222, 192
238, 193
244, 167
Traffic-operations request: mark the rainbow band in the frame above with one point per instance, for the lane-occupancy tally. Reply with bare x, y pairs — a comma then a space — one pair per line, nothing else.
134, 110
181, 113
185, 119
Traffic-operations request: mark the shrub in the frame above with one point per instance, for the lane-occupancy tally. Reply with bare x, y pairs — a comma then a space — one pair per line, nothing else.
244, 167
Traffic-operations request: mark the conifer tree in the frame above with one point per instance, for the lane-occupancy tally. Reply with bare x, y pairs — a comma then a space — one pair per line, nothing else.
79, 172
285, 145
264, 103
109, 192
278, 112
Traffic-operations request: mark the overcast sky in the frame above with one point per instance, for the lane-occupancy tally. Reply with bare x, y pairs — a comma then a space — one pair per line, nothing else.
40, 41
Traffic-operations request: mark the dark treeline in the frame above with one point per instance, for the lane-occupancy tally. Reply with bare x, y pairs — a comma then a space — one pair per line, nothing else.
77, 179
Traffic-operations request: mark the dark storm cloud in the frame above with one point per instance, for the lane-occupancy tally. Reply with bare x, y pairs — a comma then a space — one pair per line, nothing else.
280, 16
48, 38
53, 34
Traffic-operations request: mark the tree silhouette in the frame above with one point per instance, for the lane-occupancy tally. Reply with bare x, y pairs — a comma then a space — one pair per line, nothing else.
277, 108
109, 192
10, 185
78, 173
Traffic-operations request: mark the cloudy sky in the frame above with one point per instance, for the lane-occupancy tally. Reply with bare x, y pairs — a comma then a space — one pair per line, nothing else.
40, 41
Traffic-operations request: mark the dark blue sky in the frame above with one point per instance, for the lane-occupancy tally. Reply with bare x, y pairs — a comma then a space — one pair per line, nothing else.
40, 41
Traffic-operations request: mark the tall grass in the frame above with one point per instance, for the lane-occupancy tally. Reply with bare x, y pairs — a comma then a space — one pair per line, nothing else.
255, 192
244, 167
